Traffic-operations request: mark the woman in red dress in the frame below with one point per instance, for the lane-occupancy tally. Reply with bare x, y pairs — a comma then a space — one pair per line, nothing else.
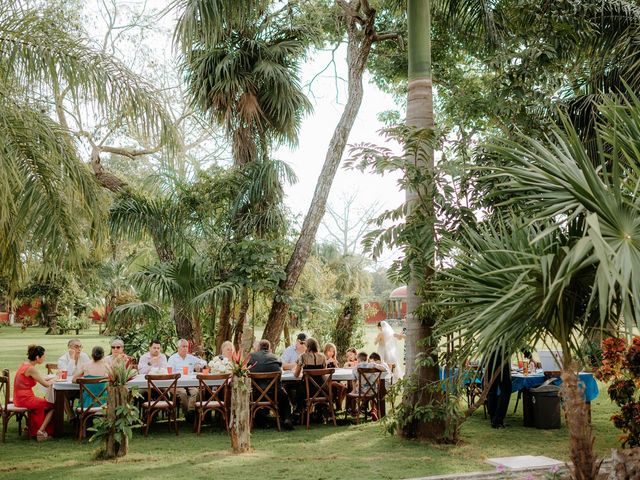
40, 410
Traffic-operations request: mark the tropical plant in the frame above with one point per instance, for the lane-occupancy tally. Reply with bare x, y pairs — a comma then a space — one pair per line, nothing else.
52, 208
621, 367
115, 428
568, 264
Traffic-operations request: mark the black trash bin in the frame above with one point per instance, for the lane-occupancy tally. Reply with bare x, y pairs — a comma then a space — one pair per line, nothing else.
546, 406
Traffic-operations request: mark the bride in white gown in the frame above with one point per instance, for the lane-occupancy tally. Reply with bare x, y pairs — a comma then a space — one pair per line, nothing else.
386, 340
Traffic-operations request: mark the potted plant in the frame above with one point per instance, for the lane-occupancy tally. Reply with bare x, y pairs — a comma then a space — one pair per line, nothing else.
116, 427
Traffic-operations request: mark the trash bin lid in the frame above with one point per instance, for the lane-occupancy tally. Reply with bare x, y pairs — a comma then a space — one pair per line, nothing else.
546, 389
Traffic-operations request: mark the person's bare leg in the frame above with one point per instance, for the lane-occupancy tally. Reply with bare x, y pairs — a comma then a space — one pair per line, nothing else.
45, 423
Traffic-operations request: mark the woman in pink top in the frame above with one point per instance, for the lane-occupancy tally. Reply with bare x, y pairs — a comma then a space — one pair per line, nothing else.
40, 410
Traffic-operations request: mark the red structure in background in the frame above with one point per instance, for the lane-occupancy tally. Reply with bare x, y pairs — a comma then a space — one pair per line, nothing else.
396, 308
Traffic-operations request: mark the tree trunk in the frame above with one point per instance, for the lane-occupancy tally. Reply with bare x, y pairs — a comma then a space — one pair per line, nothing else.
240, 422
116, 397
242, 318
361, 35
224, 325
576, 413
420, 329
343, 332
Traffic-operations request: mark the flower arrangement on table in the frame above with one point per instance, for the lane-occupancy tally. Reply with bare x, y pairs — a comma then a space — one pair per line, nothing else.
219, 365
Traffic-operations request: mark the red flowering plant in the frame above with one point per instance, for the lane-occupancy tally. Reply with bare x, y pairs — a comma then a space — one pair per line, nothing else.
621, 367
240, 366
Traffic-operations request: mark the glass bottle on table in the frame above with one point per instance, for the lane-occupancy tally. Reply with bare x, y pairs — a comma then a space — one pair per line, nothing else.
525, 368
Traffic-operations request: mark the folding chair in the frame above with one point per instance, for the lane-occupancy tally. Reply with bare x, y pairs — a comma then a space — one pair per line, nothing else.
161, 398
265, 397
212, 396
318, 383
93, 398
369, 380
7, 408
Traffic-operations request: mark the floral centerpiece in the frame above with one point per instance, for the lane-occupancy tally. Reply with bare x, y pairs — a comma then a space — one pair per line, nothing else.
220, 364
240, 421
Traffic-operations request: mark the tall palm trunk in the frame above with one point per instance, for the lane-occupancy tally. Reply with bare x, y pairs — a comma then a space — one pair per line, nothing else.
242, 318
420, 327
361, 35
224, 325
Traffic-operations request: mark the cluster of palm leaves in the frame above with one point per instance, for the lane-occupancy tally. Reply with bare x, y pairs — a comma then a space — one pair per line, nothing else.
565, 265
52, 211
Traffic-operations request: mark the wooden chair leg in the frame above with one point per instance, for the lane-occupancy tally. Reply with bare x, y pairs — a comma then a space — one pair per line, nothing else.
308, 414
4, 427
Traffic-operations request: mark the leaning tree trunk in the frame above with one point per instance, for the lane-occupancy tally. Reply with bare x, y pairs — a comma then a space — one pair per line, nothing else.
420, 328
576, 413
345, 325
361, 34
116, 397
240, 422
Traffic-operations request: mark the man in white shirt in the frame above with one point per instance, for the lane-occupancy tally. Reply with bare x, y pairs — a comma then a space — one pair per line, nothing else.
154, 358
178, 361
292, 352
74, 359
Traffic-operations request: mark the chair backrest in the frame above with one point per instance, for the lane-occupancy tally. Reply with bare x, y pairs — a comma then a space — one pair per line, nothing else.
5, 386
369, 381
93, 392
213, 393
318, 383
270, 382
161, 393
51, 367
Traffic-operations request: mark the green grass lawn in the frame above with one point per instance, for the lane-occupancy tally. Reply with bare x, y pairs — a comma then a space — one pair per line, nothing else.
324, 452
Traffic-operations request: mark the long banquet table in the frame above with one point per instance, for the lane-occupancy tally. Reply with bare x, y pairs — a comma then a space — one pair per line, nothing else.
63, 389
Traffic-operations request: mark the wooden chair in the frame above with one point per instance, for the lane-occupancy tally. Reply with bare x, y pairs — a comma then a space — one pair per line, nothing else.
51, 368
161, 399
265, 398
318, 383
369, 387
212, 397
97, 398
7, 408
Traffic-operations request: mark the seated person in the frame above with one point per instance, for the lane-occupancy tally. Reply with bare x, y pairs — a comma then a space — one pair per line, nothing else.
178, 361
292, 352
311, 359
264, 361
153, 359
40, 410
97, 368
363, 362
74, 359
117, 354
374, 357
228, 350
330, 355
352, 358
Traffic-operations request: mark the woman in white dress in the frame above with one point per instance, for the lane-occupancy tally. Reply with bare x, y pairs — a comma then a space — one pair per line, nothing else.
386, 340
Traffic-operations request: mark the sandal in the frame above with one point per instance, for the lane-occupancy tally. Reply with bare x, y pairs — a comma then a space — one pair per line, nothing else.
42, 436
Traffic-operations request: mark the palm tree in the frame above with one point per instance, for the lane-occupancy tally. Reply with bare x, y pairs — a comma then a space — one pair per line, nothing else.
570, 266
51, 207
241, 65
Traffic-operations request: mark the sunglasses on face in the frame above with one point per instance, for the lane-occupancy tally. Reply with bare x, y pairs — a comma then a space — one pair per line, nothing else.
115, 346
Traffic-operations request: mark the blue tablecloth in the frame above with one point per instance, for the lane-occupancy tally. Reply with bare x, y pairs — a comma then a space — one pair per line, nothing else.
519, 382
